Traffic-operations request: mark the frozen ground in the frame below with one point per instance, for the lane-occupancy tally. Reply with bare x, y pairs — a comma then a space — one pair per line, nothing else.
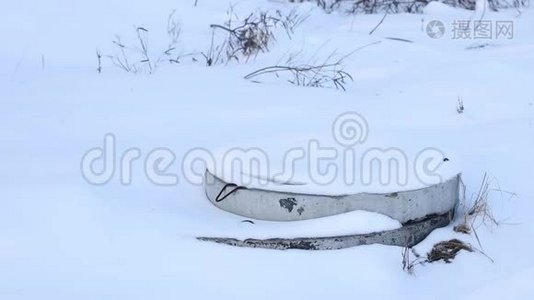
62, 238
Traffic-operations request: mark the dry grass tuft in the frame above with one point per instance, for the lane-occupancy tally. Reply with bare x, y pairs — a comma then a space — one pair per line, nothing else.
462, 228
245, 38
447, 250
408, 264
479, 213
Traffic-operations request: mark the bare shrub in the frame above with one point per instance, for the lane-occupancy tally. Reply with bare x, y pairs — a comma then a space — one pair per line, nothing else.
408, 6
328, 5
245, 38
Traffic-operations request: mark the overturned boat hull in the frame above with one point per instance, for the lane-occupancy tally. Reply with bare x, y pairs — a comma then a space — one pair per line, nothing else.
419, 211
270, 205
407, 236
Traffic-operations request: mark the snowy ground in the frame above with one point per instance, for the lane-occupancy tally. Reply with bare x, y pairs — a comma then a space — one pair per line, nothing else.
62, 238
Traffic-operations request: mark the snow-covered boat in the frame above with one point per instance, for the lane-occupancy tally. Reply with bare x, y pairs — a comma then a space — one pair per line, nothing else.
419, 211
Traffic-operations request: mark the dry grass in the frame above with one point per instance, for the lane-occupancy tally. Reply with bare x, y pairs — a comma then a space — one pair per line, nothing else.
443, 251
245, 38
447, 250
408, 264
479, 212
409, 6
138, 57
328, 74
462, 228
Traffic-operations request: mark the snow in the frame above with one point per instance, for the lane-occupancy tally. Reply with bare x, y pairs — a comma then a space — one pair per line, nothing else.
354, 222
274, 172
62, 238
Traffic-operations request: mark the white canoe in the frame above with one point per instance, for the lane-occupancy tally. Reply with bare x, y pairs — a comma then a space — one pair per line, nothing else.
270, 205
